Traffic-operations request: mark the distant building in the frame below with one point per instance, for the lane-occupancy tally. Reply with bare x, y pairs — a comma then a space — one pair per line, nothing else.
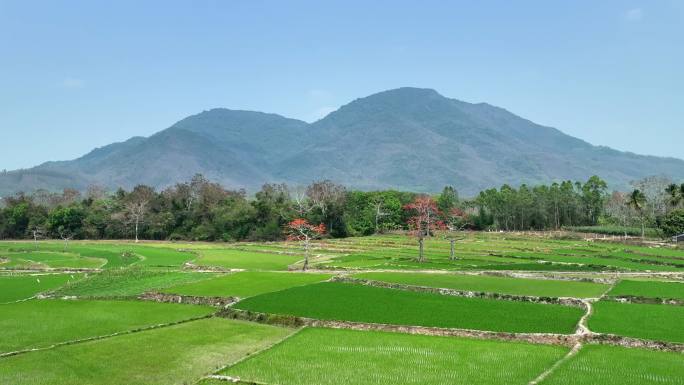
678, 238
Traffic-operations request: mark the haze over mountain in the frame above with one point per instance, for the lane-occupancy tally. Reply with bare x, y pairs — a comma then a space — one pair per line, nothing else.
408, 138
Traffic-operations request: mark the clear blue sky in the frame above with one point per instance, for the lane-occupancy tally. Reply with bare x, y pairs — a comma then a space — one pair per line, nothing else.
79, 74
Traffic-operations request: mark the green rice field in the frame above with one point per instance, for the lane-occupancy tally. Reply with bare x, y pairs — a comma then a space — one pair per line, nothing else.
648, 289
349, 302
245, 284
40, 323
492, 284
20, 287
177, 354
653, 322
330, 357
241, 259
74, 315
611, 365
128, 282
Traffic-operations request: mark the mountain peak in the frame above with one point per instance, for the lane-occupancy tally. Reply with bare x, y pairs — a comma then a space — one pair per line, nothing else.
406, 138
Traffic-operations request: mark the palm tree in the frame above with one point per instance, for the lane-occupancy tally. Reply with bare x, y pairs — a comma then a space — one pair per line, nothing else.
676, 194
637, 201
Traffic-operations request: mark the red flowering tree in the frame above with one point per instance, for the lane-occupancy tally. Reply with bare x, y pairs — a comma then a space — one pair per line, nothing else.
301, 230
455, 220
424, 220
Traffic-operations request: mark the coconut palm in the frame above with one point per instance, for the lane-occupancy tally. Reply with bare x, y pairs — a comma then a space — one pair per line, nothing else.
637, 201
676, 194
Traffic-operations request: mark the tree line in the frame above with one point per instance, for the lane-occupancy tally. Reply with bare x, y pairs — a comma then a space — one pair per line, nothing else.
202, 210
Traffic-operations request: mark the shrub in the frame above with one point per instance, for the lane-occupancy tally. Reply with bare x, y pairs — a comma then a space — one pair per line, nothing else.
673, 223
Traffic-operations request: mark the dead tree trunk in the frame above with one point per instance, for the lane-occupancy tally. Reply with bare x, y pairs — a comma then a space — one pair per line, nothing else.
453, 254
306, 254
137, 222
421, 256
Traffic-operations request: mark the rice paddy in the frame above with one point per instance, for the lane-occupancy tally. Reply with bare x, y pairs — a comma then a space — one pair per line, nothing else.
330, 357
127, 282
21, 287
349, 302
493, 284
611, 365
653, 322
78, 306
41, 323
648, 289
177, 354
246, 284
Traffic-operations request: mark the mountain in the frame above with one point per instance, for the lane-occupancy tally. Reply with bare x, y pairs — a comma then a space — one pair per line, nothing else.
408, 138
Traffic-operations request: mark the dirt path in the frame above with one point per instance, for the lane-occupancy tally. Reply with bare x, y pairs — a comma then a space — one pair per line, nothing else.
582, 327
575, 349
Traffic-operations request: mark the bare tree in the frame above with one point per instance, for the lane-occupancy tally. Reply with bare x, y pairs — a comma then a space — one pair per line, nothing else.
38, 233
301, 202
137, 211
654, 189
378, 208
456, 220
95, 192
616, 206
136, 206
46, 198
66, 236
326, 195
423, 221
301, 230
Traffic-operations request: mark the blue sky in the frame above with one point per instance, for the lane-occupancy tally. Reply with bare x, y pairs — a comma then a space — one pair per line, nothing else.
77, 75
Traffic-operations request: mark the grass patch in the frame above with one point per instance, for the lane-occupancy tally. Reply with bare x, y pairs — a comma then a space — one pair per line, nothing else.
18, 287
45, 260
40, 323
653, 322
246, 284
617, 230
649, 289
331, 357
490, 284
179, 354
113, 257
348, 302
158, 256
128, 282
250, 260
612, 365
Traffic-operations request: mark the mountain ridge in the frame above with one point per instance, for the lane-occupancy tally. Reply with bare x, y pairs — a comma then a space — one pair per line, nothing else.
406, 138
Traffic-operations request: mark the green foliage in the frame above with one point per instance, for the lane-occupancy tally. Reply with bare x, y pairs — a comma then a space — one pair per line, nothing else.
490, 284
372, 212
673, 223
612, 365
616, 230
331, 357
653, 322
246, 284
178, 354
348, 302
448, 199
40, 323
543, 207
66, 219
